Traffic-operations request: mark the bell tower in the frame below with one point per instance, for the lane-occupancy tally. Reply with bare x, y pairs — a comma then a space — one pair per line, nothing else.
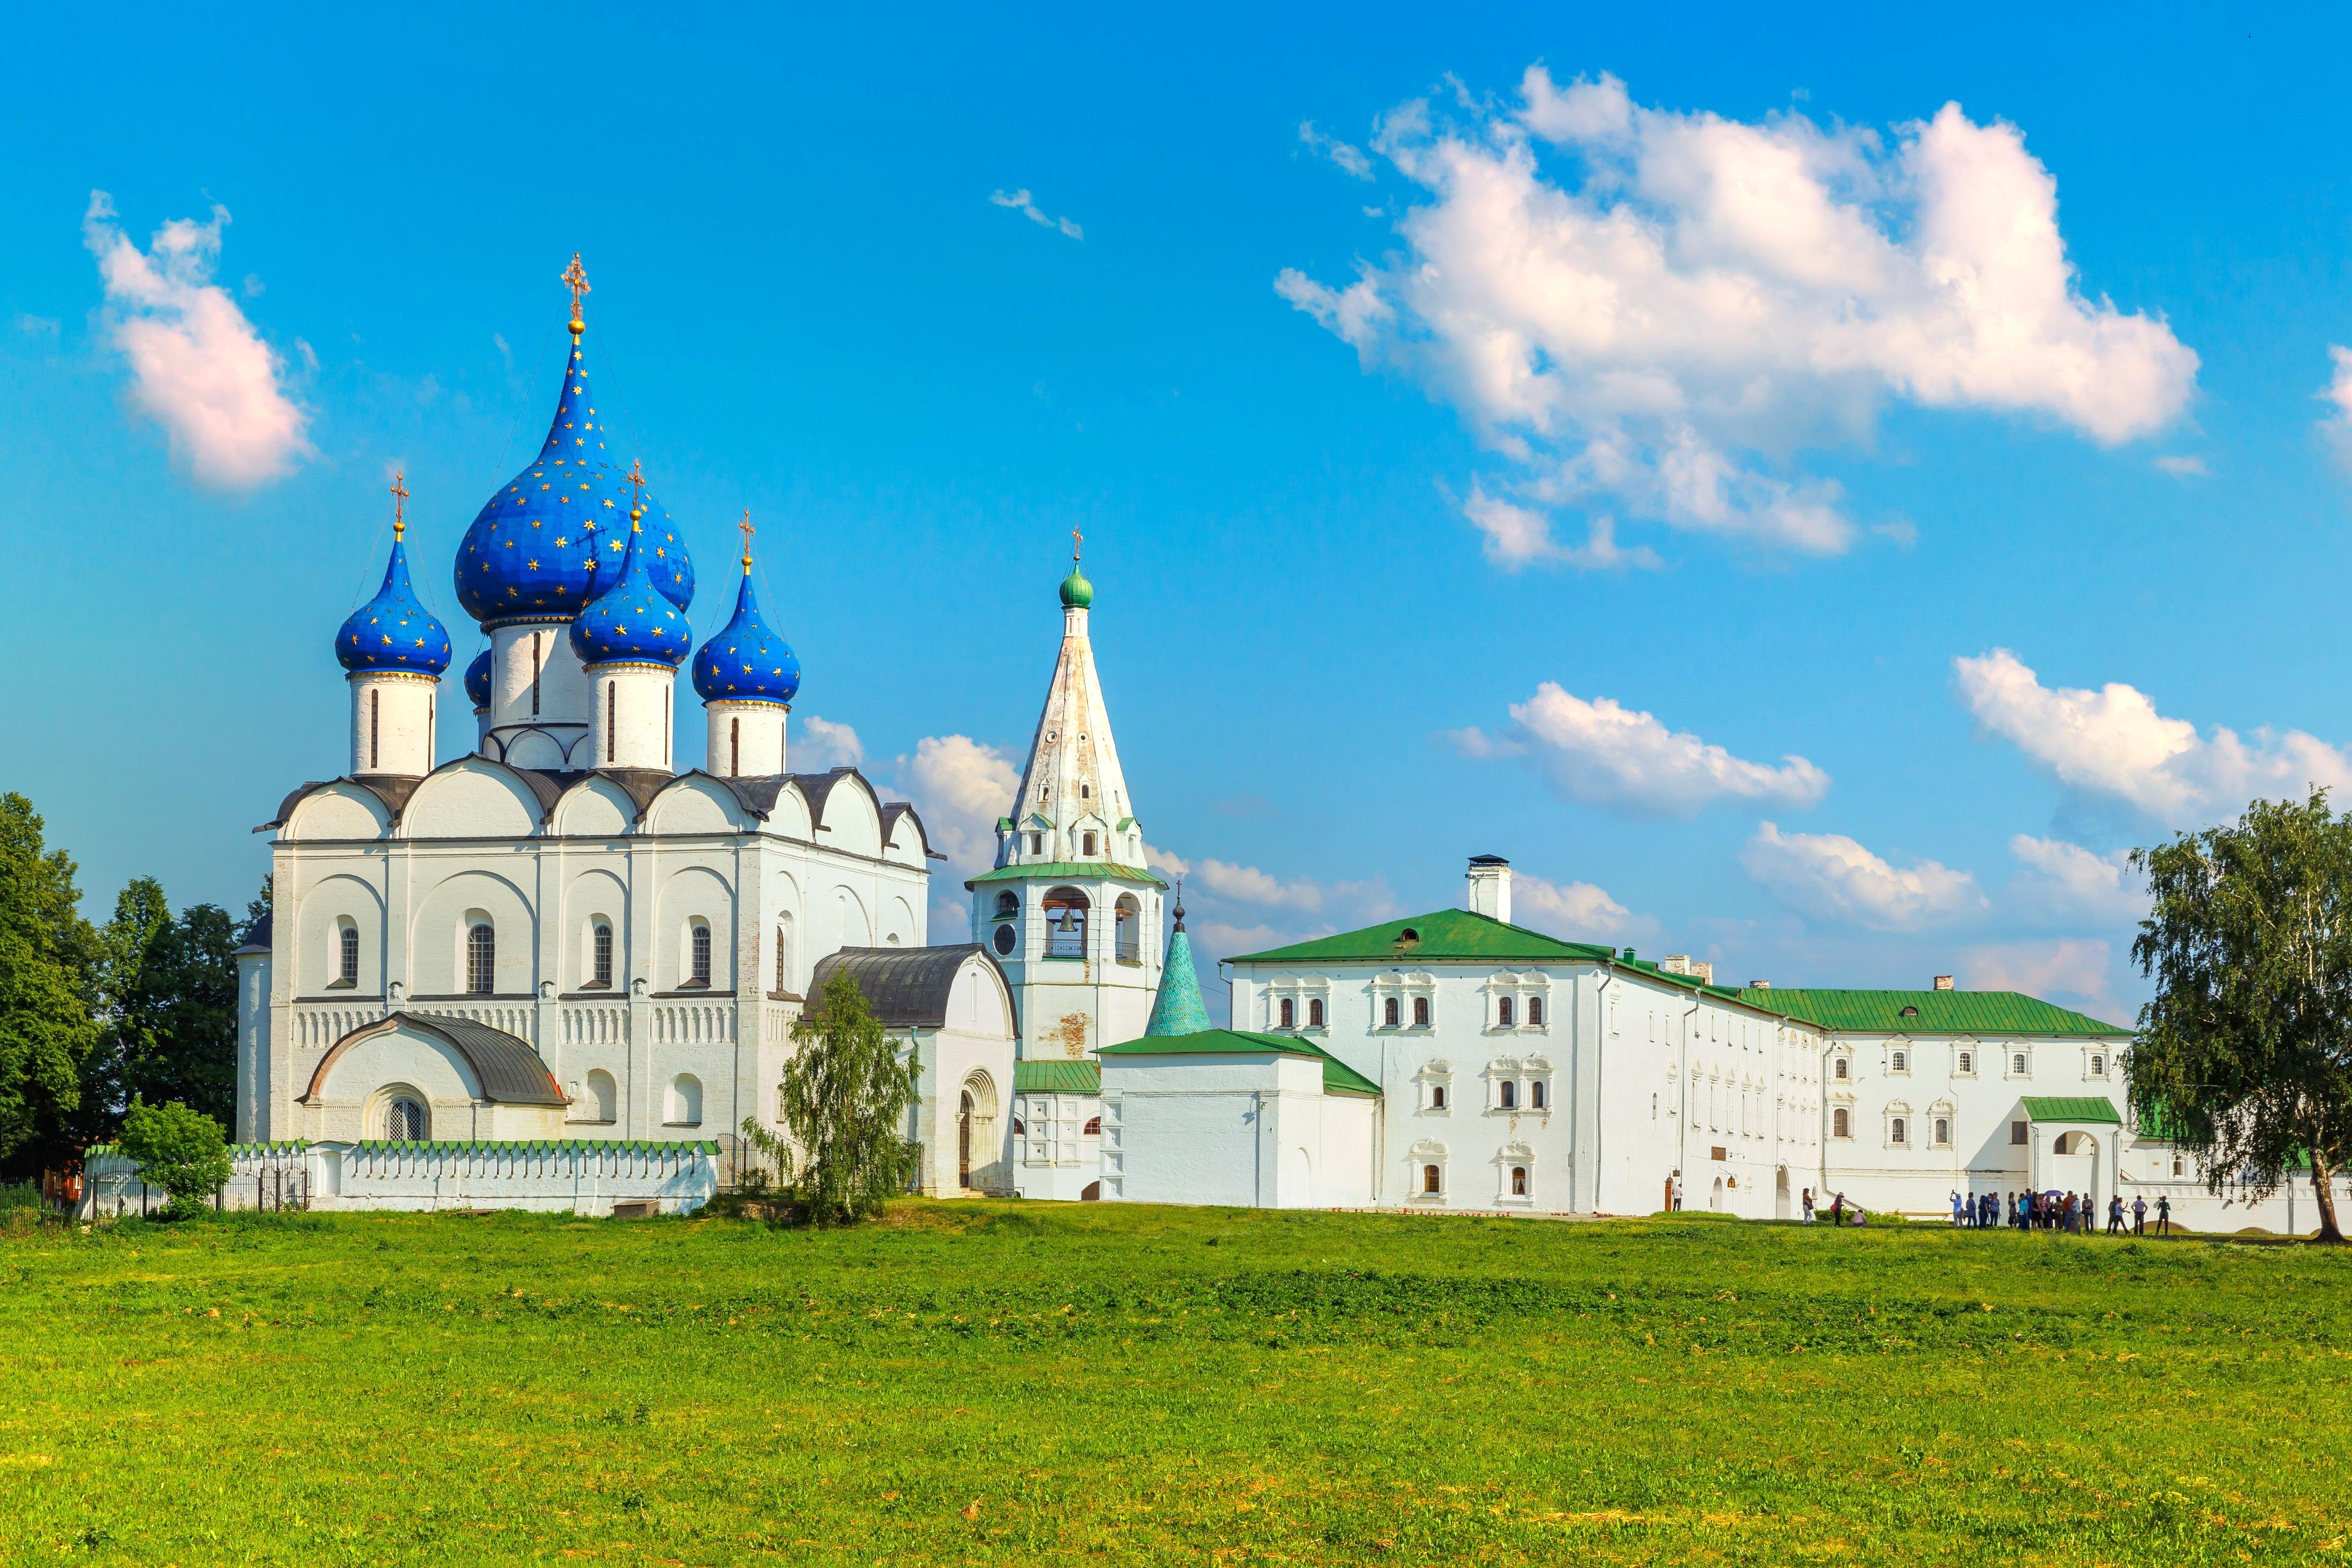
1071, 910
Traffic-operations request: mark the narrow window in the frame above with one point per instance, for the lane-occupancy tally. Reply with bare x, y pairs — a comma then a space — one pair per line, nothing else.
1421, 1012
1841, 1125
602, 942
1437, 1096
1536, 1094
1518, 1181
1943, 1132
1036, 843
1503, 1011
610, 689
2098, 1066
1535, 1012
1968, 1063
1315, 1012
1088, 840
350, 969
2016, 1132
2017, 1065
375, 699
1289, 1013
701, 940
734, 745
481, 960
1895, 1131
1389, 1013
1510, 1095
1841, 1067
1429, 1179
2176, 1164
1902, 1062
534, 672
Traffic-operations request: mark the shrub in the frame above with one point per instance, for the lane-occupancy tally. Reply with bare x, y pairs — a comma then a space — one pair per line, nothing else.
181, 1151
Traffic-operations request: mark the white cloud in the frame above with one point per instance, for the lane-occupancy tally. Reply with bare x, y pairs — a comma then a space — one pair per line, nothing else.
1166, 862
1349, 158
1020, 202
1520, 535
2075, 967
2063, 881
1604, 754
2113, 743
2183, 467
1659, 308
1833, 877
198, 367
2336, 426
961, 787
823, 744
1577, 910
1247, 885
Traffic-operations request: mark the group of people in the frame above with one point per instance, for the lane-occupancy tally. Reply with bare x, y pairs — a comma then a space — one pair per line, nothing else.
2075, 1213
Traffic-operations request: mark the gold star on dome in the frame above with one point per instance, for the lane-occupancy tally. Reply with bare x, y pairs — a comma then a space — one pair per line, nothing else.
534, 566
560, 542
616, 546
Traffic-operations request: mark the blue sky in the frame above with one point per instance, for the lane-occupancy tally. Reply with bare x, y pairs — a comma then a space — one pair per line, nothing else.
1856, 417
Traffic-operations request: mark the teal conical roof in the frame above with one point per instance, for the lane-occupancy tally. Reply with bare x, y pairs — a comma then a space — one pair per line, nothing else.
1178, 1008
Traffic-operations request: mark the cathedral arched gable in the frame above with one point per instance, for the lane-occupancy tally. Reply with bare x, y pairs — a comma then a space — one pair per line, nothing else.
696, 803
981, 1001
472, 798
593, 808
852, 817
437, 933
688, 894
339, 810
905, 841
790, 815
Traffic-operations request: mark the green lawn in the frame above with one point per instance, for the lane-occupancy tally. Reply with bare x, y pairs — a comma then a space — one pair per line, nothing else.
1004, 1382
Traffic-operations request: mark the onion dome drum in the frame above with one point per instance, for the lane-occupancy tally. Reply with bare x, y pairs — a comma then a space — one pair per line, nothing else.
393, 631
746, 661
552, 540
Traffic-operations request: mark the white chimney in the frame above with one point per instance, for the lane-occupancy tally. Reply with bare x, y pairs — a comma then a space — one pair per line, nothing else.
1490, 887
1943, 982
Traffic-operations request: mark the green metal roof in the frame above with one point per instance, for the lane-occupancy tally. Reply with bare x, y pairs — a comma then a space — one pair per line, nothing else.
1338, 1078
1442, 933
2072, 1108
1069, 871
1049, 1075
1937, 1012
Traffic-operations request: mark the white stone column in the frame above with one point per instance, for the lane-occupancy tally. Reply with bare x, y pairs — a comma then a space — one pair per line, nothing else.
631, 721
392, 721
747, 739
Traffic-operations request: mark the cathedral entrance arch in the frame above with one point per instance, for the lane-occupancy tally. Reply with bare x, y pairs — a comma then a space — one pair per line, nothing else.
963, 1141
976, 1142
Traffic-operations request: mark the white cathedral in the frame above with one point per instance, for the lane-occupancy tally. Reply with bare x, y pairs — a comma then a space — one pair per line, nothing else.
559, 972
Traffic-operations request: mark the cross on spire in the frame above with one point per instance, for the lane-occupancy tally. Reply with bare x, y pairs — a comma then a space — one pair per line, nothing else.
637, 494
399, 504
746, 526
575, 278
1078, 544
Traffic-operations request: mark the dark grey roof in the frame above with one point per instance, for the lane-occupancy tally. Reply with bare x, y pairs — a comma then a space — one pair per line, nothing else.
394, 790
815, 786
897, 808
510, 1072
758, 794
257, 939
906, 988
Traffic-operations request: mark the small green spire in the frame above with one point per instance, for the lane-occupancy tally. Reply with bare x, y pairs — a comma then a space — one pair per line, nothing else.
1178, 1008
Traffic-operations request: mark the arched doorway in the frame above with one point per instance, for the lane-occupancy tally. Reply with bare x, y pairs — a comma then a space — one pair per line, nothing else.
963, 1140
1780, 1194
1715, 1199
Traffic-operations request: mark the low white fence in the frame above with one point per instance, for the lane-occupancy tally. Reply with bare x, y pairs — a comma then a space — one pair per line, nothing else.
589, 1177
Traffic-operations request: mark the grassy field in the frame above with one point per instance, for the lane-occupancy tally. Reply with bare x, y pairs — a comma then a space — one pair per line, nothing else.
1022, 1384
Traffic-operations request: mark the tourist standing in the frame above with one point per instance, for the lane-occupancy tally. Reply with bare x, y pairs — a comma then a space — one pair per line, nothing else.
2139, 1214
1809, 1206
1956, 1210
1837, 1210
2114, 1214
2163, 1215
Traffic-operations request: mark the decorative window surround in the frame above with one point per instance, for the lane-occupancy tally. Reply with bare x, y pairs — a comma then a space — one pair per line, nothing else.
1437, 1087
1406, 988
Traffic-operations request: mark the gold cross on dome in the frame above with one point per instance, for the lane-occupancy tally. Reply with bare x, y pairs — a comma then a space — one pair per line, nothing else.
746, 526
1078, 544
636, 478
575, 278
399, 504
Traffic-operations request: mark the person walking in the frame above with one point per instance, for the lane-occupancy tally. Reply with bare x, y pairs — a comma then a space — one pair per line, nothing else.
2163, 1215
1837, 1210
2139, 1214
1677, 1202
1809, 1206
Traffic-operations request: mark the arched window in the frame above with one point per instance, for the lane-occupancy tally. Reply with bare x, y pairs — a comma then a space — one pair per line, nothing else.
1431, 1179
1065, 923
1088, 842
603, 1100
1510, 1095
684, 1100
1505, 1013
2098, 1066
2017, 1065
734, 747
535, 660
1314, 1012
347, 971
1968, 1062
1840, 1123
1093, 1128
481, 959
600, 955
1007, 904
1901, 1062
406, 1121
1839, 1071
1535, 1012
1126, 927
1288, 1013
1518, 1181
1898, 1131
1536, 1094
1421, 1012
374, 697
785, 973
611, 688
697, 937
1437, 1096
1036, 843
1389, 1012
1943, 1131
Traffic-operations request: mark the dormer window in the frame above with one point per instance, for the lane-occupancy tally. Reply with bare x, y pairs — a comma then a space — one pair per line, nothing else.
1086, 842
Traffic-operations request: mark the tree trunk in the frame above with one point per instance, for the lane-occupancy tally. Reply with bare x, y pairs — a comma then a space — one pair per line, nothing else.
2323, 1187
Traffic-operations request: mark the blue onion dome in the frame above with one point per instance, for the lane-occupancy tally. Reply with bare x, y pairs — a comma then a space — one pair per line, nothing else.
393, 631
478, 679
552, 540
631, 622
746, 662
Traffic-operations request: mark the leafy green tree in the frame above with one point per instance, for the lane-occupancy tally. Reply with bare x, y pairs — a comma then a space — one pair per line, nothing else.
47, 951
2245, 1053
846, 1095
181, 1151
167, 1010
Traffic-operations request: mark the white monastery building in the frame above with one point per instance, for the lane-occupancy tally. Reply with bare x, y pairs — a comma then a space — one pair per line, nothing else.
559, 972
